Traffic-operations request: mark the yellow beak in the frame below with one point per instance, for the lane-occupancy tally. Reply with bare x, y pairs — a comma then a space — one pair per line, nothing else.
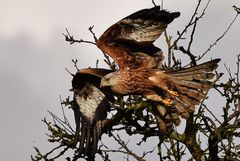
103, 83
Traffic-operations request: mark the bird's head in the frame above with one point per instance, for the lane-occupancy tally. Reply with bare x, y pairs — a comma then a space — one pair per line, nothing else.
109, 80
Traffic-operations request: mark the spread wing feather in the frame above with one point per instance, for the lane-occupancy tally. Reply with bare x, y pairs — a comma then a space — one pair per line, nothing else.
186, 87
91, 106
192, 84
146, 25
132, 37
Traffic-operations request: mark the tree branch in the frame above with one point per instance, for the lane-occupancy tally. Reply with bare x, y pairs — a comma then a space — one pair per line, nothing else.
70, 38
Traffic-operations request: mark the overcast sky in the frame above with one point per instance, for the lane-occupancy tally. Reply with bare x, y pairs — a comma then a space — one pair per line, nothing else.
33, 55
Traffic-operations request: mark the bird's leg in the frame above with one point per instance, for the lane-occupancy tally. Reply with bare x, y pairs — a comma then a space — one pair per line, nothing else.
162, 85
153, 96
173, 93
167, 101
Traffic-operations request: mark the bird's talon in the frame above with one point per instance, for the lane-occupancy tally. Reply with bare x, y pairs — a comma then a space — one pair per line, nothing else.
167, 102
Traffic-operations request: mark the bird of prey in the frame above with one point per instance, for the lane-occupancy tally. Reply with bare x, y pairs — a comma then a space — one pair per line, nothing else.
129, 42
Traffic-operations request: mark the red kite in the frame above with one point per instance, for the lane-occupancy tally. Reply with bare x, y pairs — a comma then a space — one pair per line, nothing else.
129, 43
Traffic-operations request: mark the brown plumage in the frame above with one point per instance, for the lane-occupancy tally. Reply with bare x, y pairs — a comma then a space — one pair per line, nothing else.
182, 89
130, 43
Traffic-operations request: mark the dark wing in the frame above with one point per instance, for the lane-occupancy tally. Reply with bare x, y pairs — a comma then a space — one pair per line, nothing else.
130, 41
90, 108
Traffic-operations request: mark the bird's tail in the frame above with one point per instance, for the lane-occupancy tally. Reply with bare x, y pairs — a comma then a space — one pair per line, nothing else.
90, 134
191, 85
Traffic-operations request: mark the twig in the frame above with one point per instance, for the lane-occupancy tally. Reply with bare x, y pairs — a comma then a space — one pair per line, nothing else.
228, 71
62, 123
237, 9
191, 56
190, 23
93, 34
195, 23
233, 115
154, 3
211, 113
237, 103
168, 41
64, 115
219, 38
69, 72
128, 151
148, 152
70, 38
192, 34
75, 63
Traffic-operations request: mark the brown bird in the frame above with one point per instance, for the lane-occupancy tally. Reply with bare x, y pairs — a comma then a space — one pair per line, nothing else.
129, 43
182, 89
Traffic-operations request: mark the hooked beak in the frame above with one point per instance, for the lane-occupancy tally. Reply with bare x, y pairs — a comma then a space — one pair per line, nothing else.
103, 83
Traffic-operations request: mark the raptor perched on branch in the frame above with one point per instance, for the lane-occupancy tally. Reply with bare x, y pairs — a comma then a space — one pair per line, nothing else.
129, 43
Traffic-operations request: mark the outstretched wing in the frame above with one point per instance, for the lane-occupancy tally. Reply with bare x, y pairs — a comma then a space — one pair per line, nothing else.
91, 106
130, 41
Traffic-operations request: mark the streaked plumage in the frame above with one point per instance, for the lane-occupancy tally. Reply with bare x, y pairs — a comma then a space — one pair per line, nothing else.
183, 89
130, 43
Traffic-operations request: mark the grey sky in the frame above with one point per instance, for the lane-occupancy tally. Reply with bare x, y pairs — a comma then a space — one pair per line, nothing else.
33, 55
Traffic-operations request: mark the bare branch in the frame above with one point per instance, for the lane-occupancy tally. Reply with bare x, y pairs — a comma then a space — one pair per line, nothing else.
128, 151
75, 63
93, 34
69, 72
191, 21
192, 34
70, 38
191, 56
154, 3
237, 9
219, 38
